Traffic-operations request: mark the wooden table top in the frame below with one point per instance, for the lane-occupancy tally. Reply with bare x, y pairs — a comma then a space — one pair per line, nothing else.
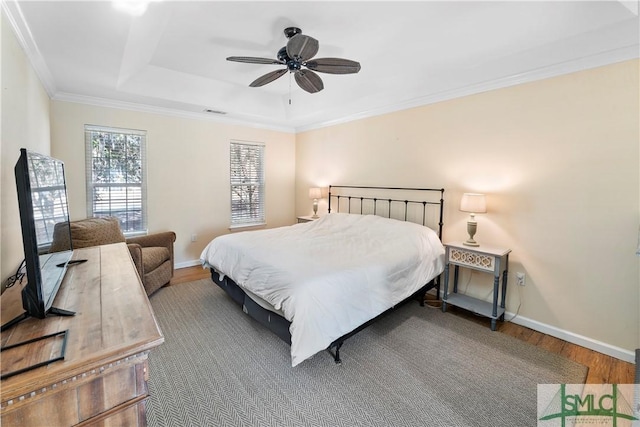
113, 318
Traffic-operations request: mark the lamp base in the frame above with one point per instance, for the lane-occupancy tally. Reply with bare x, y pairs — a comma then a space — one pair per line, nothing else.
472, 226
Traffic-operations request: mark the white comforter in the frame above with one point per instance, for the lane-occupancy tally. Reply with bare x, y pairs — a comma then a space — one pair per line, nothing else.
331, 275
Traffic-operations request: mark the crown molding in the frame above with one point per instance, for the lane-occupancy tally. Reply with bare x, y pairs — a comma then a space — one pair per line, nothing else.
633, 5
22, 32
143, 108
580, 64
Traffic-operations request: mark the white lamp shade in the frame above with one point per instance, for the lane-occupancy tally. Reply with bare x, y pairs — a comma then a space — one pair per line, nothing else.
315, 193
473, 202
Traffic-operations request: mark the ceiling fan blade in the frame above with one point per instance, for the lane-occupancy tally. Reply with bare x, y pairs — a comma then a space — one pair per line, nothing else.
253, 60
268, 78
302, 47
333, 65
309, 81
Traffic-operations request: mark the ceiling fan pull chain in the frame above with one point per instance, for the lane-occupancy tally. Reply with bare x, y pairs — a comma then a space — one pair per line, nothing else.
290, 88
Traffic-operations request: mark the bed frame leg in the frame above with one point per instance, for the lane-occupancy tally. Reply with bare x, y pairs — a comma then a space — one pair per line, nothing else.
336, 354
422, 295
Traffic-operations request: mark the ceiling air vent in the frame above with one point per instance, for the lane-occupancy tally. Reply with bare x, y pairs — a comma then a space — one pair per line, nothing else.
208, 110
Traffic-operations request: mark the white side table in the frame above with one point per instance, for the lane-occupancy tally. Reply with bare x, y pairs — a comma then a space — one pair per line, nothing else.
481, 258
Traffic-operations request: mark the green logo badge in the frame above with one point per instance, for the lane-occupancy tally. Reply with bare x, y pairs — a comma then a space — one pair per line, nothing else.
599, 404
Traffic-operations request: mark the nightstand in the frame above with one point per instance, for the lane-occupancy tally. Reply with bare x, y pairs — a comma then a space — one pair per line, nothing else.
306, 219
481, 258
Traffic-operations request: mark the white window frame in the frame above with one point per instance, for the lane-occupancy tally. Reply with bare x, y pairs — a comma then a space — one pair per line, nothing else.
134, 205
242, 178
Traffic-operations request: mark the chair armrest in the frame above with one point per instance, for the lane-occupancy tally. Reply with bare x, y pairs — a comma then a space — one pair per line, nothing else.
165, 239
136, 256
162, 239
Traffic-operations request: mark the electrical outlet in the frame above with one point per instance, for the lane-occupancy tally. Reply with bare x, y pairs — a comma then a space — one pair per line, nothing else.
520, 278
194, 237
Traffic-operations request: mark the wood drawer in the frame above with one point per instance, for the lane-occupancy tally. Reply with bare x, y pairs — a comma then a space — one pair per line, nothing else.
472, 259
95, 396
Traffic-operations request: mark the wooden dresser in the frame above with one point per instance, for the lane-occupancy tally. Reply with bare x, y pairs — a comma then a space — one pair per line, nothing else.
103, 377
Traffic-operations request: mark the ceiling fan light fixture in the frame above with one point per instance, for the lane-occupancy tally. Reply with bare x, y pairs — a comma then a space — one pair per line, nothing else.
292, 31
296, 57
282, 55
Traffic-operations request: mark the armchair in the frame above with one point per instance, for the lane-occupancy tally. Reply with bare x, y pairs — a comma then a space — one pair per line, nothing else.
151, 254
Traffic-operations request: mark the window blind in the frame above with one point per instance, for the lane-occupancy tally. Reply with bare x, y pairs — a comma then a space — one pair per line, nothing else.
115, 168
247, 183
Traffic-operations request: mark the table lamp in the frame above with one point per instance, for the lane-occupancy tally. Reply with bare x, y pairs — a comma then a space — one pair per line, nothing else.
315, 193
473, 203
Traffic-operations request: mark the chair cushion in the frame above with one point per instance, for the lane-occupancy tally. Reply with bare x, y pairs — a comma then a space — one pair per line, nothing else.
96, 231
153, 257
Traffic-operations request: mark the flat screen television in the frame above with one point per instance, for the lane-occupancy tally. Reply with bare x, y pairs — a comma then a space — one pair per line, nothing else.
42, 200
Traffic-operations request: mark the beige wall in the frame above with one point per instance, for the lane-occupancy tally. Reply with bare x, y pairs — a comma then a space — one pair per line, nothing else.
559, 161
187, 170
25, 124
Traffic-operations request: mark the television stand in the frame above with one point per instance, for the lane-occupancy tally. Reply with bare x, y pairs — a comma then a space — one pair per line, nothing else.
19, 318
60, 312
102, 379
53, 310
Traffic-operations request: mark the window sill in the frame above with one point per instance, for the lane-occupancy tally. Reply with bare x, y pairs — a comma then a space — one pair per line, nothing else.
136, 233
250, 225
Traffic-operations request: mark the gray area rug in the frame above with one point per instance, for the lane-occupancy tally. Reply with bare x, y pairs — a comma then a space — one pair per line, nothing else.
415, 367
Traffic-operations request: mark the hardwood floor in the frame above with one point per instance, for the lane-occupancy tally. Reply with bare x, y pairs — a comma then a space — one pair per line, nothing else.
602, 368
189, 274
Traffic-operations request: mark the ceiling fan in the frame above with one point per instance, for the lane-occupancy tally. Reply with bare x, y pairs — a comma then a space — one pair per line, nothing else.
296, 55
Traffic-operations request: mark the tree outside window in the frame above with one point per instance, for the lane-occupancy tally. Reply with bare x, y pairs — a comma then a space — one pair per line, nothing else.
115, 164
247, 183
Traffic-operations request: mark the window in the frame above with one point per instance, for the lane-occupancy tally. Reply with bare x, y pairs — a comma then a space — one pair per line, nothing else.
115, 168
247, 183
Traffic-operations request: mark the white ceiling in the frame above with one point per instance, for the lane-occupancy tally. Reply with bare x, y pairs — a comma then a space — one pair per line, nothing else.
172, 58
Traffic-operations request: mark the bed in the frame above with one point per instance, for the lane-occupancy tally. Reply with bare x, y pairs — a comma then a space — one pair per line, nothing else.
315, 284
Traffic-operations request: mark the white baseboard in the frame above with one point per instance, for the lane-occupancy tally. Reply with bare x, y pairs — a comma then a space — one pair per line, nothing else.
590, 343
186, 264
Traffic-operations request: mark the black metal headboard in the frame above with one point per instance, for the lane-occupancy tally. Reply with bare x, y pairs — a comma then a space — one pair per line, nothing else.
375, 200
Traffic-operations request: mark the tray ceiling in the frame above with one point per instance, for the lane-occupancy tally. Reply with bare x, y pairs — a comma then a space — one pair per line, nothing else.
171, 59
